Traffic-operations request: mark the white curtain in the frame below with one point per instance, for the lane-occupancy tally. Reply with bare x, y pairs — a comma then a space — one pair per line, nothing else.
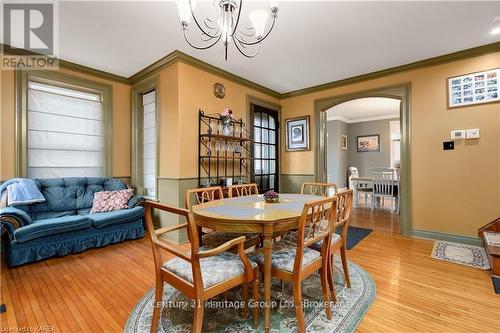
65, 132
149, 144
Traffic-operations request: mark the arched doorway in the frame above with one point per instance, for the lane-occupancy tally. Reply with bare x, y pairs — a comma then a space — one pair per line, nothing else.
400, 92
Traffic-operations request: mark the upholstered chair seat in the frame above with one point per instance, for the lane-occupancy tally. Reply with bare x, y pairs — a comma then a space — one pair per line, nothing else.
283, 256
214, 270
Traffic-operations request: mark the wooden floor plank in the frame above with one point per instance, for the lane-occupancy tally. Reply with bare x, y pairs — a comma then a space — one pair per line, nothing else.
96, 290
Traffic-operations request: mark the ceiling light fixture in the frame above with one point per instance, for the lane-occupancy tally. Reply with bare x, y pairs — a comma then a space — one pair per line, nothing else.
495, 26
226, 26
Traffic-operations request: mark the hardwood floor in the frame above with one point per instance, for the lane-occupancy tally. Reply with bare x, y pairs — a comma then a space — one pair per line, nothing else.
95, 291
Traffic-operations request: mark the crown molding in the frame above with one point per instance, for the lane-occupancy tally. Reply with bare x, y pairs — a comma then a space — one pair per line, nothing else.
176, 56
70, 65
455, 56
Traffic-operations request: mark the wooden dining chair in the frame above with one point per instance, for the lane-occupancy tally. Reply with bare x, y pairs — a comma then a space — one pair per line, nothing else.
338, 241
295, 261
322, 189
199, 274
242, 190
209, 237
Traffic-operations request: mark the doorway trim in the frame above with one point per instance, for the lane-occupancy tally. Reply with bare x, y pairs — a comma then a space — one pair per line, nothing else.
253, 100
400, 91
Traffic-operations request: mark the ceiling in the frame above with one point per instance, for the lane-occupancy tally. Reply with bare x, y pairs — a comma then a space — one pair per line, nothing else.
365, 109
314, 42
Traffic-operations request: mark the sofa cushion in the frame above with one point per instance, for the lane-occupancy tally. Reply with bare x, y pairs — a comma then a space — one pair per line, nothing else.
108, 201
42, 228
101, 220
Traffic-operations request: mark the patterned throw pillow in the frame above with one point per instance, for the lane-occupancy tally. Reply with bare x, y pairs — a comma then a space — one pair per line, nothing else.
107, 201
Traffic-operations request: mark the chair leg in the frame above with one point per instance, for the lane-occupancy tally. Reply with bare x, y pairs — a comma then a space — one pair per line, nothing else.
326, 292
198, 316
245, 300
345, 266
331, 279
256, 298
299, 313
157, 307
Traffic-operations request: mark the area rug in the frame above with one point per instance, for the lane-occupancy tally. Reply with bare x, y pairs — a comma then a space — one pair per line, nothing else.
354, 235
221, 316
468, 255
496, 284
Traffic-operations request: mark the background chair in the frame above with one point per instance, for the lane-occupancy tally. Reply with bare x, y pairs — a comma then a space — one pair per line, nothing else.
323, 189
242, 190
383, 185
295, 261
198, 274
359, 187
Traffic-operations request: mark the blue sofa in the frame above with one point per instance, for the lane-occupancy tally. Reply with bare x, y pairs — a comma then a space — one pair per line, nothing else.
63, 223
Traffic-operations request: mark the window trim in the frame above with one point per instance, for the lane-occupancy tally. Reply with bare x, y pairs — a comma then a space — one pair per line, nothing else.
22, 77
137, 91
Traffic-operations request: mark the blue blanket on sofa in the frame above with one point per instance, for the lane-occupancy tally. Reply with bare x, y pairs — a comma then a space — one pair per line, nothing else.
21, 191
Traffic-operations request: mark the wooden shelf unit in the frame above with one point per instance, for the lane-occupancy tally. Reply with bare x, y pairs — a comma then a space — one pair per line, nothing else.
234, 162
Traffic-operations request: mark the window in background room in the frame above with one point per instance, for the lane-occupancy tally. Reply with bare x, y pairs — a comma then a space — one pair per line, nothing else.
395, 133
265, 150
64, 132
148, 135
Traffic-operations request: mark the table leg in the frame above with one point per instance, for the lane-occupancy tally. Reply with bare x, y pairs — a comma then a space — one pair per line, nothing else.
268, 249
355, 196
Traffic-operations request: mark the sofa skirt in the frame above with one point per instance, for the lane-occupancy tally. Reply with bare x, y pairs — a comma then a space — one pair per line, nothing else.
72, 242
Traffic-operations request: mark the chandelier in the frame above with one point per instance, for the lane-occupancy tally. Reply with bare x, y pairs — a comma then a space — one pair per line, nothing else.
225, 27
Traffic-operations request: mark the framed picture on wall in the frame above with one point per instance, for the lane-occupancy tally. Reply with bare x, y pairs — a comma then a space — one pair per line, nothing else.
474, 88
343, 142
368, 143
297, 133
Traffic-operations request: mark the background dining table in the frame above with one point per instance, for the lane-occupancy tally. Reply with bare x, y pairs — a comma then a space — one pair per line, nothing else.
366, 183
251, 214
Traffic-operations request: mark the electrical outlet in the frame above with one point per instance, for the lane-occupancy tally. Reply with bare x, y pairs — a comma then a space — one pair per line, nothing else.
472, 133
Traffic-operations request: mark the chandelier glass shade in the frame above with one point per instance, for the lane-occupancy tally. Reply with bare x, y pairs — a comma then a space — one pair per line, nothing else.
226, 28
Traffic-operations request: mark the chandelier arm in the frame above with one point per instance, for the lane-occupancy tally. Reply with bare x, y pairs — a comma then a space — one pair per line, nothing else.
259, 40
238, 18
201, 47
198, 24
236, 41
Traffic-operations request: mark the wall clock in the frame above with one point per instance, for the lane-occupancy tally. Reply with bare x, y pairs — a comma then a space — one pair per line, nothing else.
219, 90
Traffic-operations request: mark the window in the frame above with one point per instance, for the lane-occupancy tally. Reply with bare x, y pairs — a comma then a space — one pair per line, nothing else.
395, 133
148, 136
265, 150
65, 131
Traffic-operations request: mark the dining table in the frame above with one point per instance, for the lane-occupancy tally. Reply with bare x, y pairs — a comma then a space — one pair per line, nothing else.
252, 214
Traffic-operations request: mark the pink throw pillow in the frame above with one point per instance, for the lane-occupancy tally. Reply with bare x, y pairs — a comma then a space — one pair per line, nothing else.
107, 201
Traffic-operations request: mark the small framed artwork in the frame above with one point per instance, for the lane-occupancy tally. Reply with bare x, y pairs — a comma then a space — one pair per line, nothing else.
474, 88
297, 133
368, 143
343, 142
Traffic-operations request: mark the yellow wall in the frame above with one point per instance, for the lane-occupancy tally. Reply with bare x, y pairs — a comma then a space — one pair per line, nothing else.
453, 191
121, 124
195, 92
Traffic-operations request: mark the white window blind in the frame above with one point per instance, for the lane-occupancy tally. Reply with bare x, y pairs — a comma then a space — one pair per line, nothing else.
65, 132
149, 144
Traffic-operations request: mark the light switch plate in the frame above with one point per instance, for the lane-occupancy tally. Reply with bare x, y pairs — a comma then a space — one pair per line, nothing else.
472, 133
457, 135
